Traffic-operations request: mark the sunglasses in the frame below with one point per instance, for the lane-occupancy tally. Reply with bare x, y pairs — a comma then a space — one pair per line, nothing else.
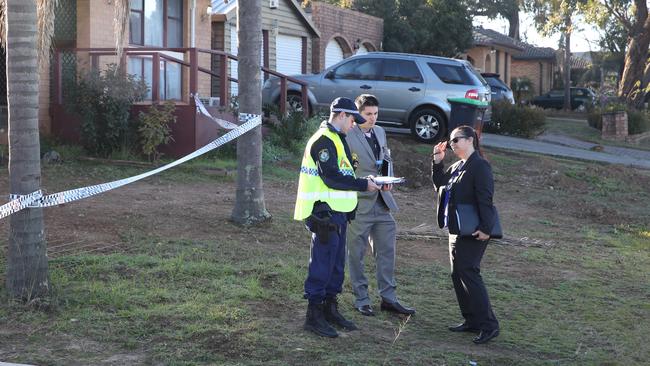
456, 139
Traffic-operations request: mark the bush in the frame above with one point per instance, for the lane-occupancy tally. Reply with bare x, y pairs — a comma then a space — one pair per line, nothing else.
292, 131
637, 121
154, 130
595, 119
103, 100
515, 120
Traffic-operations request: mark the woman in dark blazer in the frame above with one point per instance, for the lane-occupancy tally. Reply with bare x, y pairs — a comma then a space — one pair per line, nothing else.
468, 181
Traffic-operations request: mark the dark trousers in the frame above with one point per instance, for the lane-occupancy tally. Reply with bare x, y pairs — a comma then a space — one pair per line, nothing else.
465, 255
327, 263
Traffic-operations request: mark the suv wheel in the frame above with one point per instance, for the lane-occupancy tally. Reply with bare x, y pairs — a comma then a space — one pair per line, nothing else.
294, 102
427, 125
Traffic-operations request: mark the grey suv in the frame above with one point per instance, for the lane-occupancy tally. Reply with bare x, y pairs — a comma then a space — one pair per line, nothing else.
412, 89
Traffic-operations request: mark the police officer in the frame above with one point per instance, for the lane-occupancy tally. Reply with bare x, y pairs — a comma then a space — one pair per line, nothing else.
326, 200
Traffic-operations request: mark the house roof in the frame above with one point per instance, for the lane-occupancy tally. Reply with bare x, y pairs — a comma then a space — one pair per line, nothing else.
534, 53
226, 7
488, 37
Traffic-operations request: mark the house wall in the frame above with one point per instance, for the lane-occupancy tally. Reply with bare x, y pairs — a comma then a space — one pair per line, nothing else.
542, 81
346, 26
503, 66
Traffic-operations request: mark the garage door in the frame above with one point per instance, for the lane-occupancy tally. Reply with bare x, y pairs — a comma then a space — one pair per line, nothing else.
233, 64
362, 50
288, 50
333, 53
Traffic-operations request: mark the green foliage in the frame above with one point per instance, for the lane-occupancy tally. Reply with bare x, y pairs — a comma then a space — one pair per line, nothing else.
516, 120
154, 129
292, 131
103, 99
522, 88
430, 27
638, 121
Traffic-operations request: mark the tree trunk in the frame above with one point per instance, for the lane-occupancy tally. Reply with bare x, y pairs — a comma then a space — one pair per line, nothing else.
249, 205
27, 276
567, 63
631, 86
513, 27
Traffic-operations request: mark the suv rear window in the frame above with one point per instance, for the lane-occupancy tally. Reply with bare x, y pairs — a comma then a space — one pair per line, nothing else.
402, 70
494, 81
453, 74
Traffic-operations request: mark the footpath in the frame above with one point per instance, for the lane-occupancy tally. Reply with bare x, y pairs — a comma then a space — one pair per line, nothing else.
563, 146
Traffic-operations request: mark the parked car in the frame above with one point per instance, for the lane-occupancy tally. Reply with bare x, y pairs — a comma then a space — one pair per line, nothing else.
412, 89
581, 98
500, 91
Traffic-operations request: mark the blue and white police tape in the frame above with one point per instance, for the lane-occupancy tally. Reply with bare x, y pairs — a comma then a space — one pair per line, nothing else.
36, 199
200, 108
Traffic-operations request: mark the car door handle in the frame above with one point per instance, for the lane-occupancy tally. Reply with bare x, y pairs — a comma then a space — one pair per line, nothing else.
366, 87
414, 89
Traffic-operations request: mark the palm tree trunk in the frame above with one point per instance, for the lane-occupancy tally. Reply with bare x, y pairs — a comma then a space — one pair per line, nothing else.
27, 275
249, 205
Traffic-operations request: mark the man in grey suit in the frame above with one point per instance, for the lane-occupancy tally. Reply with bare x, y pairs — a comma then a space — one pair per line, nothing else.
374, 223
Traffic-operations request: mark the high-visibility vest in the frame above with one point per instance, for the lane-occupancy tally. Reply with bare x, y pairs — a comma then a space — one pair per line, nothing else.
311, 187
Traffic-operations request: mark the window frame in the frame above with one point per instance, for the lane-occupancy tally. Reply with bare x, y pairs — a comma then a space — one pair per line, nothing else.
166, 18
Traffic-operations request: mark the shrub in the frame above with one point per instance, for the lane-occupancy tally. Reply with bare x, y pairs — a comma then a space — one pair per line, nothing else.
516, 120
522, 88
292, 131
154, 130
103, 100
637, 121
595, 119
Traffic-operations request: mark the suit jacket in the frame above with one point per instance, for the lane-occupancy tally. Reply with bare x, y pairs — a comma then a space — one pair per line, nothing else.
362, 152
475, 185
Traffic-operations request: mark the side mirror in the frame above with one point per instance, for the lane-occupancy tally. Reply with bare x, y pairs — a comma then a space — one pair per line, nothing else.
330, 75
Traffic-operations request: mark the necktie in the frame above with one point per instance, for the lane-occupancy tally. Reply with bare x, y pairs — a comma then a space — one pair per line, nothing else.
452, 180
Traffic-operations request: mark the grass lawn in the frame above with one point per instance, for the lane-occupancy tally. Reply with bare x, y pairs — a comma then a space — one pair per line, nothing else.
185, 286
579, 129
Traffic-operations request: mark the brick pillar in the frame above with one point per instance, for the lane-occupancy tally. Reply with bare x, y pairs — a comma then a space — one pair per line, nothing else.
614, 126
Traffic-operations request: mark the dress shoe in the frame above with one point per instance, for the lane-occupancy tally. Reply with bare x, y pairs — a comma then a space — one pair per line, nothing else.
396, 307
463, 327
366, 310
485, 336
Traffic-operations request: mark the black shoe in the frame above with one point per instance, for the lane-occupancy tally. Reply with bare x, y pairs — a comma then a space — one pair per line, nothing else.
366, 310
333, 316
396, 307
315, 321
463, 327
486, 335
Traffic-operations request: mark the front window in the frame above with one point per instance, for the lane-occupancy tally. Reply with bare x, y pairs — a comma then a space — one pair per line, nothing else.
156, 23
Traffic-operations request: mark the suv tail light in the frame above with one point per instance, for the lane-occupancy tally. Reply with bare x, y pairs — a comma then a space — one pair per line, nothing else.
472, 94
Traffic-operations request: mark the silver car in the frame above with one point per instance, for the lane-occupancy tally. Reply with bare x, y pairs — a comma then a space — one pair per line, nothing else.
412, 89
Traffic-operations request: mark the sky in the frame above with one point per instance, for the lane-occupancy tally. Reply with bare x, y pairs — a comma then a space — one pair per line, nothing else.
585, 36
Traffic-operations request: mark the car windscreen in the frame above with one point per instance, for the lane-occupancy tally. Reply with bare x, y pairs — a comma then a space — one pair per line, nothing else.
496, 82
455, 74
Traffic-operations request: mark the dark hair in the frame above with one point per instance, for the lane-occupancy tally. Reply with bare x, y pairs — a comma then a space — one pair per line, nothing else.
366, 100
470, 132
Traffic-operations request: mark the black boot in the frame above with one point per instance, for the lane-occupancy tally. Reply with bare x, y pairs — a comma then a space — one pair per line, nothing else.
316, 322
333, 316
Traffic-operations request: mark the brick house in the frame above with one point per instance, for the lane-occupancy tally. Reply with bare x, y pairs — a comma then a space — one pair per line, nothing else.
344, 32
493, 52
536, 64
287, 36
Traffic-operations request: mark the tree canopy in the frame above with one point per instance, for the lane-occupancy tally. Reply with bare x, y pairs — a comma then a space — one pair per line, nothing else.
432, 27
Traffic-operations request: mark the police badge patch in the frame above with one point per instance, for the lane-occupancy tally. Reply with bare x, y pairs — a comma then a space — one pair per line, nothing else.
324, 155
